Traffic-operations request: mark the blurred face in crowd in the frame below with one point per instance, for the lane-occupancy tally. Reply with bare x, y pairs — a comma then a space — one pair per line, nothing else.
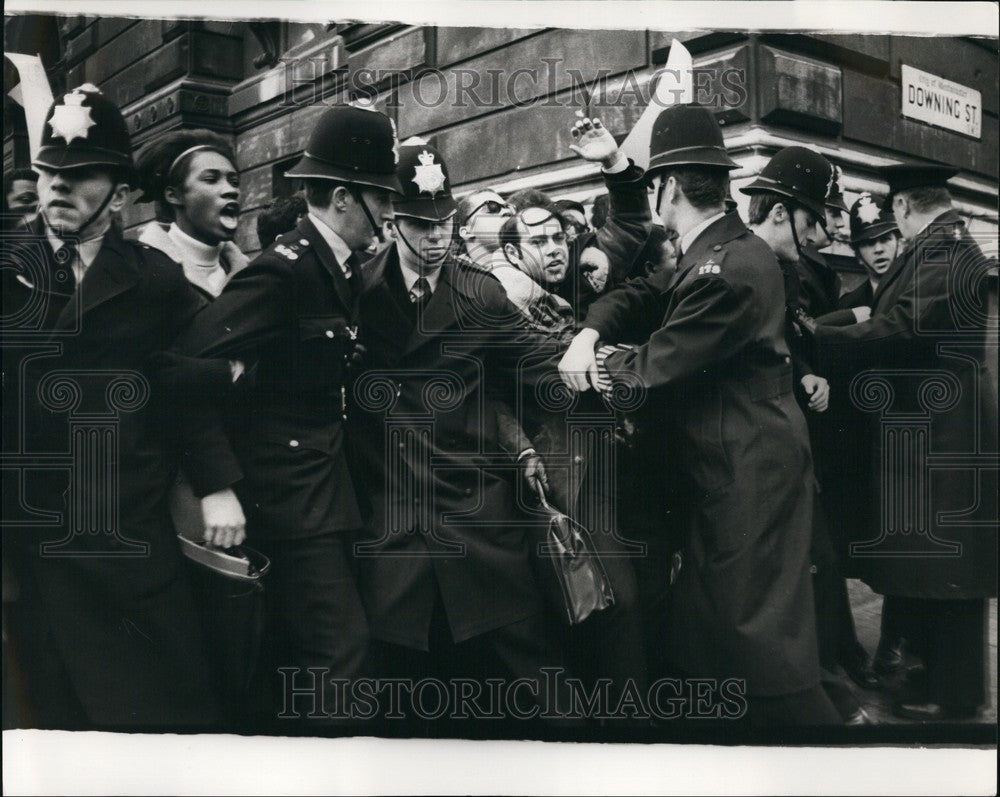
877, 254
836, 227
431, 239
206, 203
71, 196
22, 197
576, 223
487, 216
544, 252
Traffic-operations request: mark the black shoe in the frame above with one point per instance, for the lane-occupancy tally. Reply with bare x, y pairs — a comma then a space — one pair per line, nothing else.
890, 658
933, 712
859, 669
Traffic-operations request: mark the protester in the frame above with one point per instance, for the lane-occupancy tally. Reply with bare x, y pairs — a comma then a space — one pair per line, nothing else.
280, 217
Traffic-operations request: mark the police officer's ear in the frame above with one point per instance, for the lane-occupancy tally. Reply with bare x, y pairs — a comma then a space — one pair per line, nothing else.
389, 229
779, 213
339, 198
464, 233
119, 198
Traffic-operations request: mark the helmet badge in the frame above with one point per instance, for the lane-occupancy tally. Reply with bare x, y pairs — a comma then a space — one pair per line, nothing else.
428, 177
868, 211
72, 120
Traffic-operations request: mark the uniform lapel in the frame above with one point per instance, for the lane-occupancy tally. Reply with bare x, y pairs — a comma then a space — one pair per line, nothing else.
387, 318
439, 313
114, 271
329, 261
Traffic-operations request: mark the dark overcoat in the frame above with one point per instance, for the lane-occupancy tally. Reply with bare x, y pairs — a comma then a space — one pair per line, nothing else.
921, 367
717, 359
111, 594
442, 508
291, 317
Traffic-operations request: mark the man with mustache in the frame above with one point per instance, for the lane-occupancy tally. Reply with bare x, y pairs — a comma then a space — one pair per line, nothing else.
107, 629
291, 318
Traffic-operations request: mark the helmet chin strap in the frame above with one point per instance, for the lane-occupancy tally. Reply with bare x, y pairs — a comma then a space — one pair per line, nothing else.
360, 198
63, 234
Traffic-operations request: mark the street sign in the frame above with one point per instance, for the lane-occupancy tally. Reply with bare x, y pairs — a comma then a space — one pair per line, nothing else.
941, 103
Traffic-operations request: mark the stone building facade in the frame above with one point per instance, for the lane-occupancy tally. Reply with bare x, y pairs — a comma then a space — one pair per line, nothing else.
499, 102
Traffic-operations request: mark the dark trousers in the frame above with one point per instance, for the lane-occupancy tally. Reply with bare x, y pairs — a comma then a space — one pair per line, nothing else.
950, 637
609, 643
514, 652
835, 631
314, 618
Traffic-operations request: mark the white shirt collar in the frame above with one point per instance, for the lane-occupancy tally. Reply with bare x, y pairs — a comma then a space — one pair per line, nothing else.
692, 235
410, 277
87, 251
340, 249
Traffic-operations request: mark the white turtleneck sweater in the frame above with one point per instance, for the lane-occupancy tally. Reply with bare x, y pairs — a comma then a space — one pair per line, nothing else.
200, 261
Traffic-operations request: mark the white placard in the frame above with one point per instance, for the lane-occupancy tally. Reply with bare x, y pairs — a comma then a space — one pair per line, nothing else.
941, 103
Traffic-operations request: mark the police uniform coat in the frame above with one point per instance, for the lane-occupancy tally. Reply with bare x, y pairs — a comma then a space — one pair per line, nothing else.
929, 332
718, 364
123, 628
290, 317
442, 509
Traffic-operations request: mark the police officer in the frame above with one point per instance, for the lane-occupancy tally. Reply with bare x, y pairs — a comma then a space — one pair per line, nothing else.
787, 208
290, 318
928, 332
717, 359
107, 627
875, 240
446, 571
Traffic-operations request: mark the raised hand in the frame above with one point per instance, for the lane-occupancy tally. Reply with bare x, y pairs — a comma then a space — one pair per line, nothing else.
594, 141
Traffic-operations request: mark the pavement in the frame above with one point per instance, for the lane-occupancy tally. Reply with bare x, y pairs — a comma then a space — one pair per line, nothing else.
867, 607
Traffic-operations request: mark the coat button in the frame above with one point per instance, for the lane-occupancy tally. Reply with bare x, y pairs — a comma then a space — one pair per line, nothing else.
329, 333
468, 491
718, 247
813, 569
788, 360
293, 443
303, 242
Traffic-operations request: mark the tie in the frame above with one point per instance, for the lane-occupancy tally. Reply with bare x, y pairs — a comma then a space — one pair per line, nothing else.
350, 265
420, 293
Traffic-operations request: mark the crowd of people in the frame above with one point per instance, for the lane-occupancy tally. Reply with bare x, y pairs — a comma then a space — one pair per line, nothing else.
370, 413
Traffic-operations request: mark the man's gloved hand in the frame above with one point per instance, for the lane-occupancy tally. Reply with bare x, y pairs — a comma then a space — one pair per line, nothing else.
861, 314
533, 471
